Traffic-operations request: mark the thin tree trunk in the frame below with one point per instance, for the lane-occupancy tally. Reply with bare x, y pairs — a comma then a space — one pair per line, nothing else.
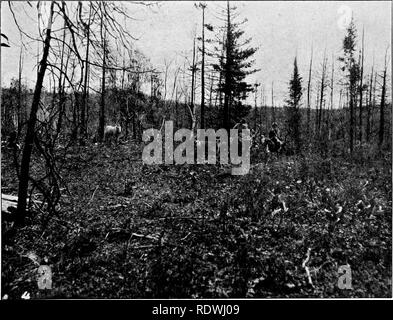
351, 119
308, 94
211, 90
193, 77
317, 109
255, 108
20, 120
374, 102
51, 119
340, 99
368, 128
366, 103
176, 110
228, 85
123, 73
220, 78
273, 111
322, 92
75, 113
83, 135
382, 108
261, 109
203, 70
134, 131
361, 93
61, 86
330, 113
30, 134
102, 109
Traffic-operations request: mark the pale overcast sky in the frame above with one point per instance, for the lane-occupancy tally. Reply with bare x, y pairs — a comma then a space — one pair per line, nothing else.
280, 29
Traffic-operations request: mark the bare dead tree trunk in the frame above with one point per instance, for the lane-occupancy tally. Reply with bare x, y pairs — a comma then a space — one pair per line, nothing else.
369, 108
330, 113
351, 121
61, 86
374, 102
134, 131
193, 77
366, 103
255, 112
228, 62
83, 134
361, 93
203, 6
340, 98
317, 109
321, 97
211, 89
260, 111
20, 120
123, 73
102, 107
256, 85
382, 107
273, 111
308, 94
176, 110
266, 113
29, 139
75, 116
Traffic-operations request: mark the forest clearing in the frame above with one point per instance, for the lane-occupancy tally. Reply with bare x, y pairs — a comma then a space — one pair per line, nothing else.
87, 212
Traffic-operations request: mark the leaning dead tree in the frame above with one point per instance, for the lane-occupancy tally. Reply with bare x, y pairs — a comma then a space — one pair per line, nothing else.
29, 139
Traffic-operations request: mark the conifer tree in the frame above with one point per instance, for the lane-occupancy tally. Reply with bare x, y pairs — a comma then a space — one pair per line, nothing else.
234, 67
293, 105
351, 69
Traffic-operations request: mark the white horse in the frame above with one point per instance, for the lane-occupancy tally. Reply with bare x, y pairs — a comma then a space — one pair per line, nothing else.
112, 133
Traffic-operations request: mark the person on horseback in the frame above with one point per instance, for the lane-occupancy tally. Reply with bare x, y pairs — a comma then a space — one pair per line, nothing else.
274, 138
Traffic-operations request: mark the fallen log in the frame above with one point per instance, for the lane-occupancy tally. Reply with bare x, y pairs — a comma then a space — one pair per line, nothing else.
10, 201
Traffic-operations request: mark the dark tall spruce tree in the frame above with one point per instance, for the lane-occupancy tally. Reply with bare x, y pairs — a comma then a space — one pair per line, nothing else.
293, 106
234, 66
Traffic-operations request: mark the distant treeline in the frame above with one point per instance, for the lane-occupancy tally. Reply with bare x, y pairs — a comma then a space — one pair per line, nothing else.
136, 112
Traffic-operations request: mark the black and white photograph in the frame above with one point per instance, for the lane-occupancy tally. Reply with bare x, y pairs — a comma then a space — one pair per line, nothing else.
237, 150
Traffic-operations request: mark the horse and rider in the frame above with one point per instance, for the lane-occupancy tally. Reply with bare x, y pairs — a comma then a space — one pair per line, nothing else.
274, 143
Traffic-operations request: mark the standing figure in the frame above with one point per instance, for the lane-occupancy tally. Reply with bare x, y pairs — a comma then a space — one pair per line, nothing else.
274, 137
